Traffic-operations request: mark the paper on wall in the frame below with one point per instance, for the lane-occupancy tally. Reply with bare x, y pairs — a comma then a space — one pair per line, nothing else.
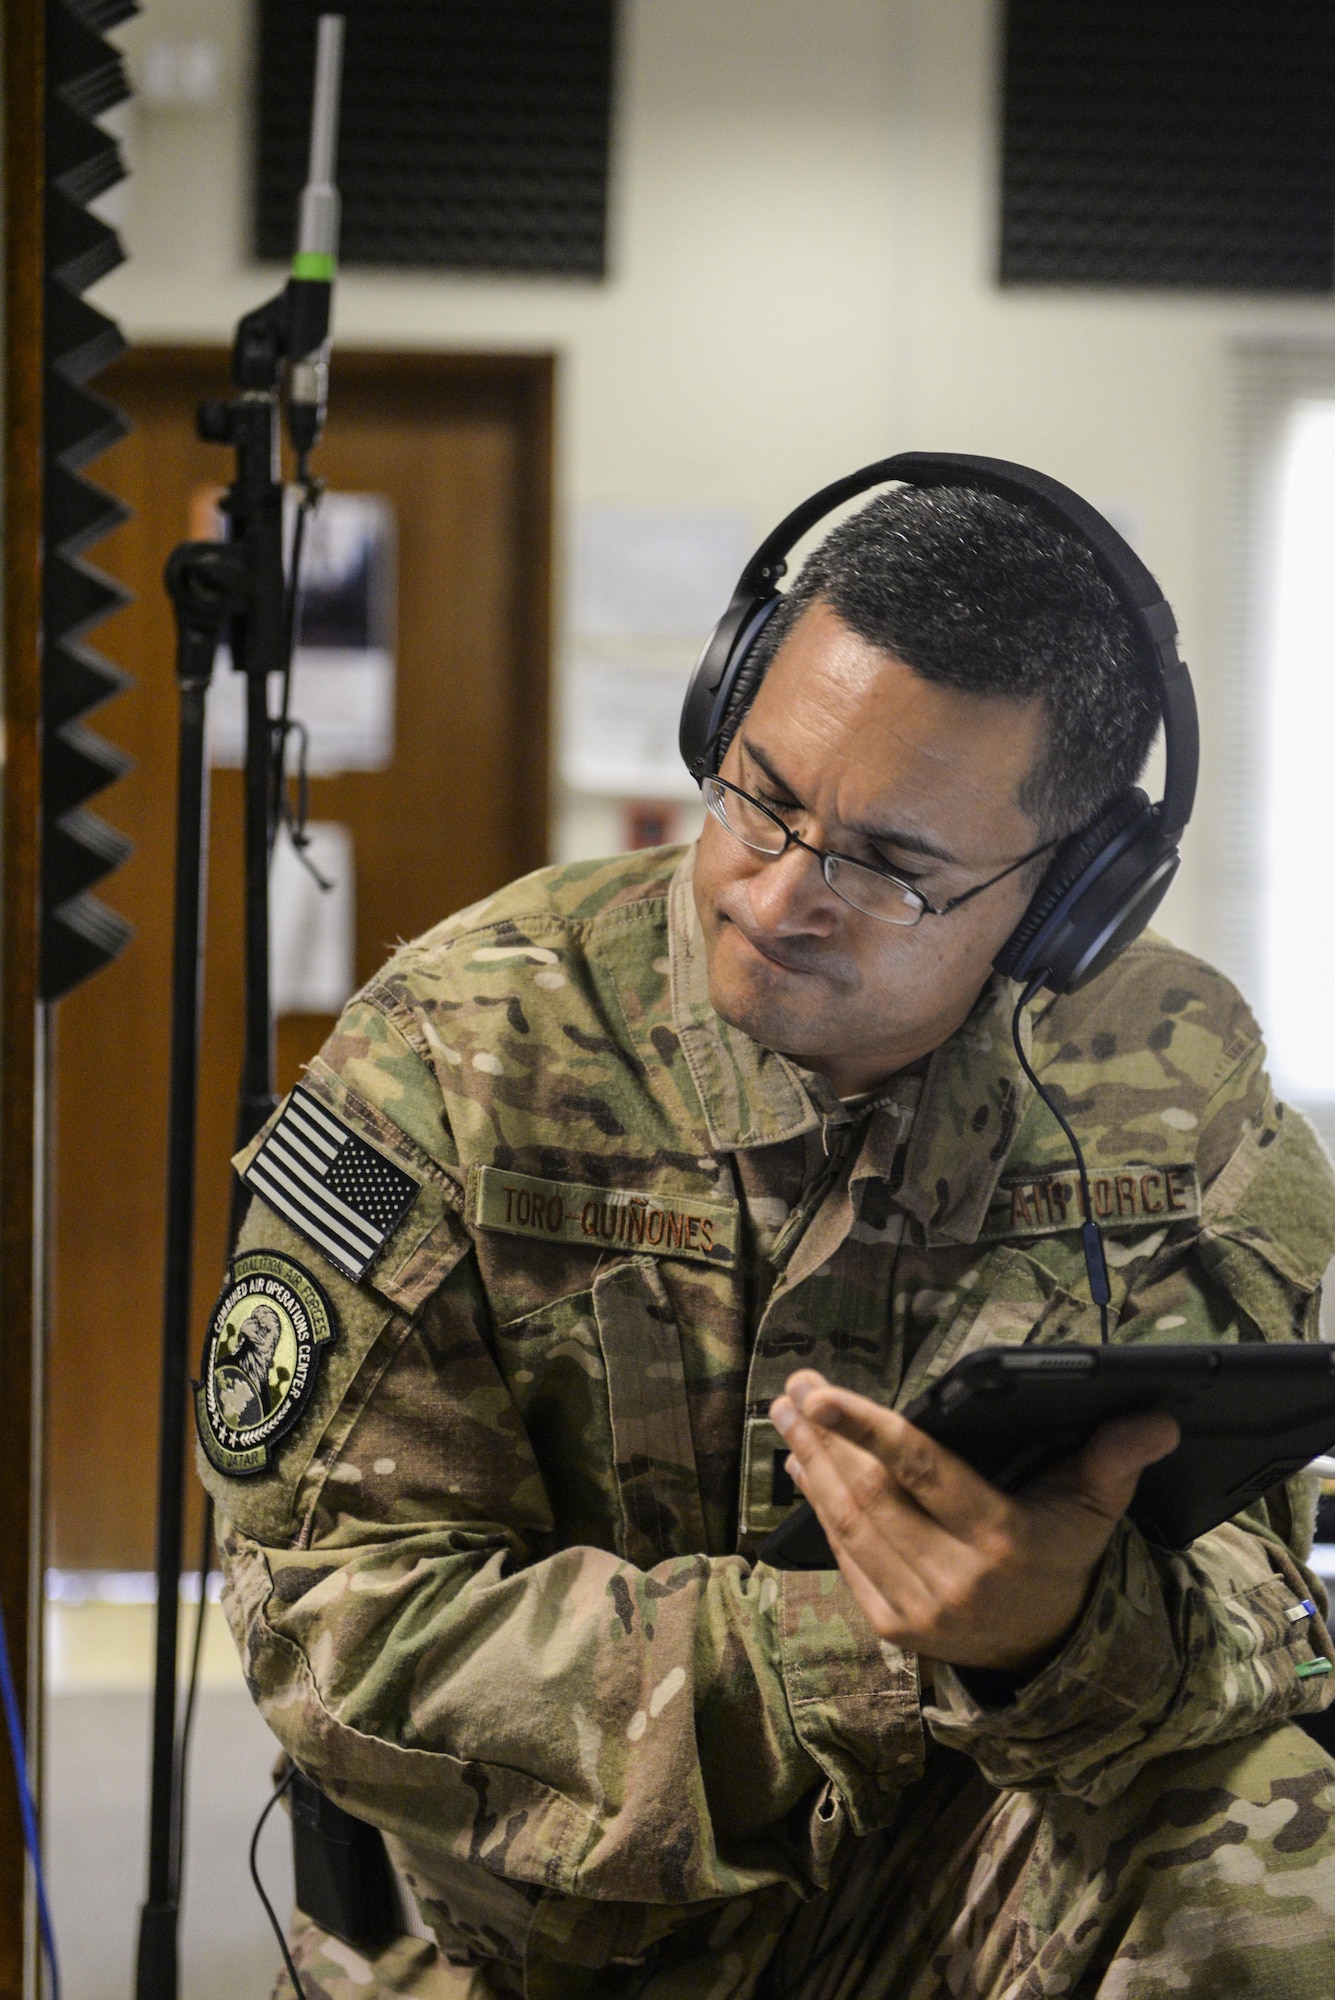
655, 572
312, 930
343, 667
619, 727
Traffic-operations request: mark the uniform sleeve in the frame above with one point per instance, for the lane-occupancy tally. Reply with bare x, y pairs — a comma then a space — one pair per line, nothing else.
553, 1715
1174, 1652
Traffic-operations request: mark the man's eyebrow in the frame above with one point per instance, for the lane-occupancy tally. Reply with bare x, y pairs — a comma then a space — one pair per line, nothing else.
911, 843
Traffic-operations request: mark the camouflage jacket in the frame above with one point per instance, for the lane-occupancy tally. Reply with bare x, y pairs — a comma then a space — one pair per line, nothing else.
495, 1587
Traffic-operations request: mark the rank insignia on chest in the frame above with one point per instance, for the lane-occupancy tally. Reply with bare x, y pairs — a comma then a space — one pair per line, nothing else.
261, 1359
1133, 1197
604, 1218
341, 1193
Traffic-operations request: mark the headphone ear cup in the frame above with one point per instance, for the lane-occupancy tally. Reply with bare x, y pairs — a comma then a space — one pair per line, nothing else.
745, 678
723, 684
1115, 910
1067, 920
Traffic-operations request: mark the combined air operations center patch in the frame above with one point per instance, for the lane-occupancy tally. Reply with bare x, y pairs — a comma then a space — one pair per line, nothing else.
261, 1359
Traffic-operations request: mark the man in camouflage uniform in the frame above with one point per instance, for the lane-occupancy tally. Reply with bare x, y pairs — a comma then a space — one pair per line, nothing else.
551, 1221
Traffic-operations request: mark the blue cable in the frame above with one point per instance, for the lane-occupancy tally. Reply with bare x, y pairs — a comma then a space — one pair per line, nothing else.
27, 1810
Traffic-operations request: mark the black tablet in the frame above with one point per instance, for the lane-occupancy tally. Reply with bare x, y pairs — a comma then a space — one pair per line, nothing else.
1250, 1417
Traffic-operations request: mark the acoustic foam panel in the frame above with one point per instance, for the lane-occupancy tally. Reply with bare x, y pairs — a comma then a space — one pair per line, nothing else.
84, 78
1174, 143
474, 133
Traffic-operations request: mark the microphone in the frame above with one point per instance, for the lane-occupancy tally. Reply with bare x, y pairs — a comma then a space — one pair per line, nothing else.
310, 287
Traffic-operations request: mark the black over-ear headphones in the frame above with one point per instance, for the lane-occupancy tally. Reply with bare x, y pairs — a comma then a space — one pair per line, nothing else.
1105, 881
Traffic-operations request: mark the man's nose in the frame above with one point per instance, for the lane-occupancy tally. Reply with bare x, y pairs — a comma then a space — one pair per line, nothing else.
789, 894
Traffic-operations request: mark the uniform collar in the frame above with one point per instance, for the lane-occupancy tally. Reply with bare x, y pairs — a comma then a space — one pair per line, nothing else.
972, 1102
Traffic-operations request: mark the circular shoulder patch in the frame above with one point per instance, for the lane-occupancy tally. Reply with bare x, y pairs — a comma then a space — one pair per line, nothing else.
261, 1359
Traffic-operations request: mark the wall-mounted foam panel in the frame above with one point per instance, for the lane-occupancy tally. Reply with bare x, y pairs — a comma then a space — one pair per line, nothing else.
474, 133
85, 78
1186, 144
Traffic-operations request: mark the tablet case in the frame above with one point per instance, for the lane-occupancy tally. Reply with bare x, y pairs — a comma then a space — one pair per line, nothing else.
1251, 1416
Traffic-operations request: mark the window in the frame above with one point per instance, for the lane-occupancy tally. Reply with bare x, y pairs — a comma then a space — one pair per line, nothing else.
1272, 721
1297, 791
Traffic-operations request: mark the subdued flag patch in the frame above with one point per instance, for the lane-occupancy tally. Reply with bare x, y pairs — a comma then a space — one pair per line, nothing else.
330, 1184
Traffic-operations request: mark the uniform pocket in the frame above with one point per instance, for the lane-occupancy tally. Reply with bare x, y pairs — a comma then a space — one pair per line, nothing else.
1013, 1299
653, 1449
598, 1381
552, 1361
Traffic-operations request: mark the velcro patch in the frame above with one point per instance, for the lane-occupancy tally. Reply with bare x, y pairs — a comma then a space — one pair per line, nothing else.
1134, 1197
340, 1192
261, 1358
602, 1218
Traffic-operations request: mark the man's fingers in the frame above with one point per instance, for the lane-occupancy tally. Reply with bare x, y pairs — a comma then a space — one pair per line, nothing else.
836, 1461
853, 1417
870, 1519
1108, 1468
861, 1528
947, 1489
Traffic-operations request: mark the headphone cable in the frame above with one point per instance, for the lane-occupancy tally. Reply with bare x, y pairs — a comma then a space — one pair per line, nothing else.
1090, 1236
289, 1964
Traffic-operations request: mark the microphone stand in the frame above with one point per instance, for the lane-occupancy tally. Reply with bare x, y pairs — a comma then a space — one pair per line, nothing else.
235, 586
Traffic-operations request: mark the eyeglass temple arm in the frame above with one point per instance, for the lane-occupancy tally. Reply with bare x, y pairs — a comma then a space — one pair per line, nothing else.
967, 895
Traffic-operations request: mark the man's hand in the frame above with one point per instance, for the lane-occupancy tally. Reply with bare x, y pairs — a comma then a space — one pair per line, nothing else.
943, 1564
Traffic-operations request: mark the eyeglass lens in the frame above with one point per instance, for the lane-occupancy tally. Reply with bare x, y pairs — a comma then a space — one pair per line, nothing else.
875, 895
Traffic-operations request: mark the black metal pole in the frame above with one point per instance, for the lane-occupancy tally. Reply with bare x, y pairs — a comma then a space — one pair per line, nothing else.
239, 583
256, 509
207, 582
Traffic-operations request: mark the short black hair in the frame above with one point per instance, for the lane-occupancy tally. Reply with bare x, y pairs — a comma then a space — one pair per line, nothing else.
989, 597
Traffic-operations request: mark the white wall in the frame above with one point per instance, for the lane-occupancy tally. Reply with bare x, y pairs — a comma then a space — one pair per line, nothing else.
802, 246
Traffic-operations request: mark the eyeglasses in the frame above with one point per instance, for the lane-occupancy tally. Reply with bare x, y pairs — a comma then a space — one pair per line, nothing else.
870, 890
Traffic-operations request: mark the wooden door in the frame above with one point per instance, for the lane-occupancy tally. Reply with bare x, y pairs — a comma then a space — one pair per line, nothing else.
461, 448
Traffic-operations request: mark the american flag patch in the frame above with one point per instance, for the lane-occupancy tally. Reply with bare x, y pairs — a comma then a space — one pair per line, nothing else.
339, 1192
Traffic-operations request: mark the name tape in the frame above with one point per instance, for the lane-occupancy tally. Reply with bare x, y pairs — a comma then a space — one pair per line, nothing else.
1122, 1198
602, 1218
